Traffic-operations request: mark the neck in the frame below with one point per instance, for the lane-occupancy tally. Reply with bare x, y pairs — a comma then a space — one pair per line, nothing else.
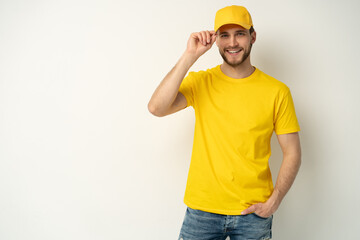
241, 71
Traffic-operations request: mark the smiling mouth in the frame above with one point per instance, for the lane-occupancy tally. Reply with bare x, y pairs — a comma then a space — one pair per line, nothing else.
234, 52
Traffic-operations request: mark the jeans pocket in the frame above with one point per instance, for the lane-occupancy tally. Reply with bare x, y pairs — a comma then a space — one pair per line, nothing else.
261, 216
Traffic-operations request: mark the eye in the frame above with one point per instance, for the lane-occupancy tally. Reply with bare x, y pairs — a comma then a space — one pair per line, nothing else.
223, 35
240, 33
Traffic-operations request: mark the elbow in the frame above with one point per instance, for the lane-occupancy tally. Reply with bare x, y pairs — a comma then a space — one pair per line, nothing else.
297, 157
154, 110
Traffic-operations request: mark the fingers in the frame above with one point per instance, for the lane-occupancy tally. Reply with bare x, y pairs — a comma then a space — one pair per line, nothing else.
200, 42
250, 209
206, 37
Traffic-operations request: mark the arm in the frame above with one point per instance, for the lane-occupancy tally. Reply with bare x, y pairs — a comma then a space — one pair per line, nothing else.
290, 146
167, 99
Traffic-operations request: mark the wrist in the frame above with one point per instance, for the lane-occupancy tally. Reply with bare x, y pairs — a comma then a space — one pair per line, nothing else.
189, 57
275, 199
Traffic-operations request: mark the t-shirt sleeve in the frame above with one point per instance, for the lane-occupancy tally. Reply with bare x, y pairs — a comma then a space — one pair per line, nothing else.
285, 117
187, 88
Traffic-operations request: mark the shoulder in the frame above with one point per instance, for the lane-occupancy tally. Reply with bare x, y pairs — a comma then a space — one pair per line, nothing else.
202, 74
273, 83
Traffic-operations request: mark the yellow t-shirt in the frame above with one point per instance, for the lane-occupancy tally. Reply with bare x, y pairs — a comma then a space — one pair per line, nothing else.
235, 119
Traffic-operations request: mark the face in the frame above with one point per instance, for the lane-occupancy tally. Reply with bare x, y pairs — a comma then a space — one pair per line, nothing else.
234, 43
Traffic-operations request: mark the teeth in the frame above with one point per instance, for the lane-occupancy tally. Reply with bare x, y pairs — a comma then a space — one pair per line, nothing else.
234, 51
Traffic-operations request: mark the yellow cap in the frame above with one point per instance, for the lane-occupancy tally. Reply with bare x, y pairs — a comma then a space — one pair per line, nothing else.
233, 15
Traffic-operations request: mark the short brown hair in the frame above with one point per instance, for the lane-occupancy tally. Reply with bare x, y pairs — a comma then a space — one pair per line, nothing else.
251, 29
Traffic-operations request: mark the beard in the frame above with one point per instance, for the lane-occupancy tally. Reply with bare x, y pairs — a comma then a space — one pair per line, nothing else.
243, 58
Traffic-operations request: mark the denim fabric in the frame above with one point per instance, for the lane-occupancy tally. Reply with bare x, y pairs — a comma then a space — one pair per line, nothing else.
200, 225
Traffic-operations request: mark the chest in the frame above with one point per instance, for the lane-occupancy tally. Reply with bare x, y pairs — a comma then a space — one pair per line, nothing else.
245, 107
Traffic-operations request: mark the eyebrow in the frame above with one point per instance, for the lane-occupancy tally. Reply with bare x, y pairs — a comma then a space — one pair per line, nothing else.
235, 32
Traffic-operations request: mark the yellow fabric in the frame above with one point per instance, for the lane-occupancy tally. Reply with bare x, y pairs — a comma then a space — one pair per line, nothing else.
235, 119
233, 15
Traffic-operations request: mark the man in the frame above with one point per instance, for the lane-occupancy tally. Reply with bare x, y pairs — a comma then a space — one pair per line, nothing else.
229, 190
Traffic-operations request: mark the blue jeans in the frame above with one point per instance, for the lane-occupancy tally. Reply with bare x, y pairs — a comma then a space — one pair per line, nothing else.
200, 225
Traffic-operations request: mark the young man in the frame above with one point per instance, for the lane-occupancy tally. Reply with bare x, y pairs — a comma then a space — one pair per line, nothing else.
229, 190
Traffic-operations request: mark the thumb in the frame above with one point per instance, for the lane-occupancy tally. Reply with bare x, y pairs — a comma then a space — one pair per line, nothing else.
213, 38
212, 41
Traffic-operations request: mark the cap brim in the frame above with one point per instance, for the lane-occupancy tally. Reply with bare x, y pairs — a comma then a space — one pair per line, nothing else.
246, 26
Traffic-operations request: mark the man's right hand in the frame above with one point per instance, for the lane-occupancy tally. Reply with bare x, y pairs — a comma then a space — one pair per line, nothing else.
167, 99
200, 42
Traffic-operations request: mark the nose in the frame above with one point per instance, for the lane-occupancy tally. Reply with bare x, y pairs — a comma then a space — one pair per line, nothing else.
233, 42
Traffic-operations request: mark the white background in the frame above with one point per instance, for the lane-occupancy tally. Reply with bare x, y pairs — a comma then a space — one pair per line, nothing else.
82, 158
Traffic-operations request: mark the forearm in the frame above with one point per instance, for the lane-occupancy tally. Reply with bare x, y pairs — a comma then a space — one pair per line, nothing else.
167, 90
288, 171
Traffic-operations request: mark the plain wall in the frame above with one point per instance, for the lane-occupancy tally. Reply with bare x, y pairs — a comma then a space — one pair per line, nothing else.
82, 158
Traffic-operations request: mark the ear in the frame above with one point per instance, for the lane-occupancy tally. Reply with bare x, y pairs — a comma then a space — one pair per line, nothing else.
253, 37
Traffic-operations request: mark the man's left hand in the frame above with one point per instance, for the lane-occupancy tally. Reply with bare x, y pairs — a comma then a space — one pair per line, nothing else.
262, 209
